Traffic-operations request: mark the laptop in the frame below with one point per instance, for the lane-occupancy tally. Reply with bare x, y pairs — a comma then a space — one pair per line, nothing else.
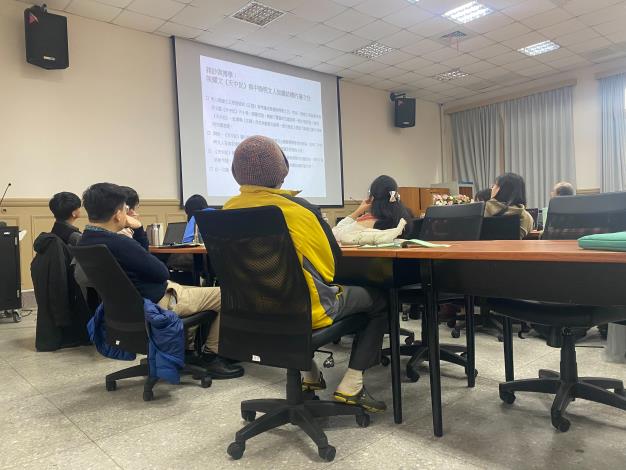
174, 235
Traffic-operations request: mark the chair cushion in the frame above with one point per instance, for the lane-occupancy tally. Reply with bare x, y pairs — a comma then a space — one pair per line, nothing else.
555, 314
604, 241
339, 328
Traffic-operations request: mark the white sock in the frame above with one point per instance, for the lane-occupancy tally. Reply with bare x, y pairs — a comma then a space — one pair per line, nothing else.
313, 375
352, 382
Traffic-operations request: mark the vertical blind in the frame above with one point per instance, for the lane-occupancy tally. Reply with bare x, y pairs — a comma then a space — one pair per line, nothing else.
612, 92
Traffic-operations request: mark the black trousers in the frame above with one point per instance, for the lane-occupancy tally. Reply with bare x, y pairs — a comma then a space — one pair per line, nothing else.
368, 342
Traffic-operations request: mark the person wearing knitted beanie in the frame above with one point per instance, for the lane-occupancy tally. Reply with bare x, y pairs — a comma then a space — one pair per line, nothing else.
260, 167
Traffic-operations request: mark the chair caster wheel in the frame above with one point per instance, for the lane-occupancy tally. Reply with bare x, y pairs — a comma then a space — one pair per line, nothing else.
620, 392
148, 395
560, 423
315, 397
327, 453
500, 339
236, 450
463, 354
363, 420
385, 361
17, 317
337, 341
206, 381
247, 416
475, 373
409, 340
412, 375
455, 334
507, 397
111, 386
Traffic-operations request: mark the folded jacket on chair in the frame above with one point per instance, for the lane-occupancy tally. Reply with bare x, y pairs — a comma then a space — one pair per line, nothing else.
604, 241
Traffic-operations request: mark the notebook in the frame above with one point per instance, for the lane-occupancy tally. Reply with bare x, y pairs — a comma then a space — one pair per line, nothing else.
413, 243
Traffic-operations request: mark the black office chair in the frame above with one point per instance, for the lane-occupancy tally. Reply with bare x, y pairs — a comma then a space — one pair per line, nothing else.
266, 319
124, 317
441, 223
568, 218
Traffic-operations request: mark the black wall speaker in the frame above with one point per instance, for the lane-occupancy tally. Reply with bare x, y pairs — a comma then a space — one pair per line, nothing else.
404, 112
46, 38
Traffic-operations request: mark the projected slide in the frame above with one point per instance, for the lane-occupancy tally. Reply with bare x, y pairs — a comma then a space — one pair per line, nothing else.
240, 101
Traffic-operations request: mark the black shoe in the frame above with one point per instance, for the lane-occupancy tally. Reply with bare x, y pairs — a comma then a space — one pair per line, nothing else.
362, 399
218, 368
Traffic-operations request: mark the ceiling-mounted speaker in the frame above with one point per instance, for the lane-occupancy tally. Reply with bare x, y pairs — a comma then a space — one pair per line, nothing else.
404, 112
46, 38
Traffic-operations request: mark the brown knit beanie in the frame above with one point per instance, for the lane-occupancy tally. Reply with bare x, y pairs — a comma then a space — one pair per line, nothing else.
259, 161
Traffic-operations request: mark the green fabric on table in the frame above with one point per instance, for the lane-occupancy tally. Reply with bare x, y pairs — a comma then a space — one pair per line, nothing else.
604, 241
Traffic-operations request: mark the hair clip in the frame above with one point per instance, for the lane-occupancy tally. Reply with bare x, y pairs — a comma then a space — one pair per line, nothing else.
393, 196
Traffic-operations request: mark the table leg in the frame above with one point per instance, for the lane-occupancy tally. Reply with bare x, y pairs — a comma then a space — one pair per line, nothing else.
394, 346
433, 345
198, 266
507, 333
470, 338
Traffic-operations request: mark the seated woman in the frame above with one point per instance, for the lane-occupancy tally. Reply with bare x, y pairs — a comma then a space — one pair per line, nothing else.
382, 211
508, 196
483, 195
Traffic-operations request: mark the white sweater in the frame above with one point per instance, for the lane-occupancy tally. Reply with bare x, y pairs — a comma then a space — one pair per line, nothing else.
349, 232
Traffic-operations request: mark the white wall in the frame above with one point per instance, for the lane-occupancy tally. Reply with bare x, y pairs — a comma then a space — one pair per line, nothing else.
111, 116
586, 111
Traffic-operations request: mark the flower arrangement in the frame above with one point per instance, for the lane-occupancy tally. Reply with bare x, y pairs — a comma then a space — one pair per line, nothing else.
449, 200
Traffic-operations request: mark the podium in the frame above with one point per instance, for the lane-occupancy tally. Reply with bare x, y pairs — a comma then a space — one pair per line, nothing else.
10, 277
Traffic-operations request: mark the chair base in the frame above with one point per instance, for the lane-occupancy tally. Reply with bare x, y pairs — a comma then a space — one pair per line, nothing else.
142, 370
567, 386
296, 409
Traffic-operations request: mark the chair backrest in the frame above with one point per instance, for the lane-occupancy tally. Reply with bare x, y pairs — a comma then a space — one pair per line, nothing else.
123, 305
266, 307
504, 227
572, 217
457, 222
534, 213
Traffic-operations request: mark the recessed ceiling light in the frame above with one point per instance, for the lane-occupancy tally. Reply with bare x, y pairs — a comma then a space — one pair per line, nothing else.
451, 75
539, 48
412, 2
373, 50
468, 12
258, 14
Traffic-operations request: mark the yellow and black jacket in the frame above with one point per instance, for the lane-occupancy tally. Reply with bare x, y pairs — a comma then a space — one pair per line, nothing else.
312, 238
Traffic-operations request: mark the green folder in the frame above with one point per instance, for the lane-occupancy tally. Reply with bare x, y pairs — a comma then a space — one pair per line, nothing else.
604, 241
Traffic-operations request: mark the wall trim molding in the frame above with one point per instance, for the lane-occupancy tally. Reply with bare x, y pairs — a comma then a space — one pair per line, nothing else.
43, 202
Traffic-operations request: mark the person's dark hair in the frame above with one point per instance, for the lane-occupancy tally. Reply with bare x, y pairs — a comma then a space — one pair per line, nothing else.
388, 212
63, 204
193, 204
483, 195
132, 198
564, 189
512, 190
102, 200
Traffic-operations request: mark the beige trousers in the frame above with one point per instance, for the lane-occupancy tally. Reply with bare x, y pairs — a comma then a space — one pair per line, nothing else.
187, 300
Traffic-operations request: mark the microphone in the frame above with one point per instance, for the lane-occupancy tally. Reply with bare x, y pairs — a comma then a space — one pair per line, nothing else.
4, 194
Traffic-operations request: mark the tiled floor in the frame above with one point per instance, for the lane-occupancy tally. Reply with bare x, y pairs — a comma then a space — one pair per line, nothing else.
56, 413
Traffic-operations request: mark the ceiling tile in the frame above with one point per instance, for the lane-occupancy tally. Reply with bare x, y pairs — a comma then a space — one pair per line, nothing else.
173, 29
554, 55
422, 47
610, 27
488, 23
547, 18
580, 7
568, 63
278, 56
230, 27
569, 26
521, 64
618, 37
349, 20
318, 10
221, 40
347, 60
506, 58
477, 66
585, 34
409, 77
388, 72
387, 85
58, 5
439, 7
440, 55
347, 3
94, 10
290, 24
508, 32
376, 30
397, 58
348, 42
320, 34
491, 51
591, 45
197, 17
474, 44
220, 7
283, 5
433, 70
380, 9
407, 17
116, 3
247, 48
324, 53
369, 66
528, 8
541, 69
603, 15
327, 68
460, 60
265, 37
130, 19
416, 64
400, 39
433, 27
365, 80
295, 46
306, 62
491, 74
164, 9
348, 73
525, 40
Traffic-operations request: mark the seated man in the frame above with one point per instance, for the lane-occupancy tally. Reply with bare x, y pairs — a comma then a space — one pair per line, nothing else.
563, 188
260, 167
66, 209
106, 209
134, 228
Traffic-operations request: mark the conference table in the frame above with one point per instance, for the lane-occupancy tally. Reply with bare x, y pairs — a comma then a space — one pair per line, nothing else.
541, 270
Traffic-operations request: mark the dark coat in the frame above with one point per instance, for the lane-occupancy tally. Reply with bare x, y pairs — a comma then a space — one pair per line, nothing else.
62, 314
66, 232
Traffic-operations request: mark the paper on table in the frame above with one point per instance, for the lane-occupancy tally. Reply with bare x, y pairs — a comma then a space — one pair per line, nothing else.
401, 243
22, 234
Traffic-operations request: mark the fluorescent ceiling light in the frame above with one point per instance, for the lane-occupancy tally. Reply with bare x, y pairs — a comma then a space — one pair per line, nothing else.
451, 75
468, 12
373, 50
412, 2
258, 14
539, 48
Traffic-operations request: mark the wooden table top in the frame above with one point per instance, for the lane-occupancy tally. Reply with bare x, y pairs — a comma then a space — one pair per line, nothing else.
499, 250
